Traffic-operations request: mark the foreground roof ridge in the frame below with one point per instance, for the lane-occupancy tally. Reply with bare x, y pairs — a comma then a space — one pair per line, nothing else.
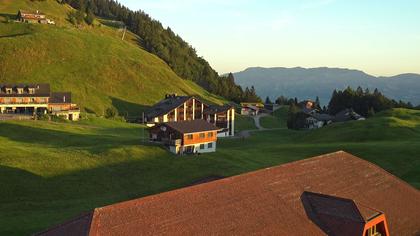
267, 201
129, 202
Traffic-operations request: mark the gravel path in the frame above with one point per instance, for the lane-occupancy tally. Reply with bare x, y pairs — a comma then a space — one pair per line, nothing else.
247, 133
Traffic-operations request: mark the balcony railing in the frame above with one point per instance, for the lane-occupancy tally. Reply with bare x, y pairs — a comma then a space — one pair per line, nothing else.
172, 142
22, 103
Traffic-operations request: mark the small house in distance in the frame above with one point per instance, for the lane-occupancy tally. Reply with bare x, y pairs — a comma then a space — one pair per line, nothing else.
251, 108
176, 108
347, 115
33, 17
186, 137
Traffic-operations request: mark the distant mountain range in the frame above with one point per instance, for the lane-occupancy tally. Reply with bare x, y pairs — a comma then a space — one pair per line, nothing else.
308, 83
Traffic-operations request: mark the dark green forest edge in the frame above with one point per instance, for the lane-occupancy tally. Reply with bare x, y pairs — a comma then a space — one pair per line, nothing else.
170, 47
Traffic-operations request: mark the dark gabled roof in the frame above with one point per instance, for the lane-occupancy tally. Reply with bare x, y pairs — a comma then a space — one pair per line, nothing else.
191, 126
337, 216
322, 117
346, 115
31, 12
214, 109
77, 227
60, 97
255, 104
264, 202
166, 105
41, 90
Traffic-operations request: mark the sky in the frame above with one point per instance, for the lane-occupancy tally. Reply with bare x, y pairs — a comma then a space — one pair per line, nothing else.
380, 37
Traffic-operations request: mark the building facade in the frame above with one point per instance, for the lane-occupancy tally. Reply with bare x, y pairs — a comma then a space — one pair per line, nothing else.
186, 137
29, 100
33, 17
251, 108
186, 108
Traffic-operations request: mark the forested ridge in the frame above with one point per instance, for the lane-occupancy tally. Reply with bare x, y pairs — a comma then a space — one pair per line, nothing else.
167, 45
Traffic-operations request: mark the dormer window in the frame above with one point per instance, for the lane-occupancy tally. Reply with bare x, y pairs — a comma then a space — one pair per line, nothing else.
31, 90
19, 90
9, 90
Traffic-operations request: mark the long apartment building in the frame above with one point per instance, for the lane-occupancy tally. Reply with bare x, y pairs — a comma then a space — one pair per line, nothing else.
33, 99
186, 108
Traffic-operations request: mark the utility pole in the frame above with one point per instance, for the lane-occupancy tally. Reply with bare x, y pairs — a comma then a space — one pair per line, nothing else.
125, 29
142, 130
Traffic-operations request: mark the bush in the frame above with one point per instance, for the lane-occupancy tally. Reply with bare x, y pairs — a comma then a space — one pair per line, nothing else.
111, 113
43, 117
76, 17
90, 17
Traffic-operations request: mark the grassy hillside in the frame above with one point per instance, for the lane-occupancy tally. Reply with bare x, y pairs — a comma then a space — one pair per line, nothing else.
53, 171
277, 120
93, 63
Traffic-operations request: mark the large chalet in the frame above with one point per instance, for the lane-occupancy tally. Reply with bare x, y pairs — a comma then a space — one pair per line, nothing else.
186, 137
333, 194
186, 108
29, 100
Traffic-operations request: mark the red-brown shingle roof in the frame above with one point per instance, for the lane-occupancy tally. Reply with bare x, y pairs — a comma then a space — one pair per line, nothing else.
264, 202
191, 126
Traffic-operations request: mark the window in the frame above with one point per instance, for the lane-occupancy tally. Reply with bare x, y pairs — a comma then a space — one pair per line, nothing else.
8, 90
202, 135
189, 136
31, 90
210, 145
210, 135
201, 146
19, 90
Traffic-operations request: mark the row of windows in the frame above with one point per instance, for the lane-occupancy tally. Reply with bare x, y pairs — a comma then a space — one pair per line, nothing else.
209, 145
201, 135
21, 100
19, 90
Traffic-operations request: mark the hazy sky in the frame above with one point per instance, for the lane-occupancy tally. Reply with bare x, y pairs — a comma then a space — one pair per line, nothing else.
381, 37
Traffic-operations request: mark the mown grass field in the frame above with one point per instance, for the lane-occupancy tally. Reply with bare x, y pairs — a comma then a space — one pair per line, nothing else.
99, 68
51, 172
276, 120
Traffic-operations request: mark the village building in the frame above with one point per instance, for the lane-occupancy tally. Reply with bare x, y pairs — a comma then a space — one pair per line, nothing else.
271, 107
347, 115
222, 117
186, 137
317, 120
333, 194
60, 105
33, 17
251, 108
28, 100
176, 108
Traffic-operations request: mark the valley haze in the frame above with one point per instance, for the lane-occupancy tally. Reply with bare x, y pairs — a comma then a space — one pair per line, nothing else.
305, 83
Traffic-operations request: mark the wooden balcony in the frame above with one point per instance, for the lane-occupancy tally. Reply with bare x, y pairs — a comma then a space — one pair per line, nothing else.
172, 142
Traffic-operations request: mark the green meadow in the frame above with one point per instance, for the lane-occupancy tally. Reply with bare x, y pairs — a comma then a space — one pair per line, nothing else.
50, 172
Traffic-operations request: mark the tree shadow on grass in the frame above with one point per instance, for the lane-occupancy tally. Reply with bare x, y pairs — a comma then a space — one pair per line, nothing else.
103, 140
130, 110
14, 35
9, 16
82, 190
